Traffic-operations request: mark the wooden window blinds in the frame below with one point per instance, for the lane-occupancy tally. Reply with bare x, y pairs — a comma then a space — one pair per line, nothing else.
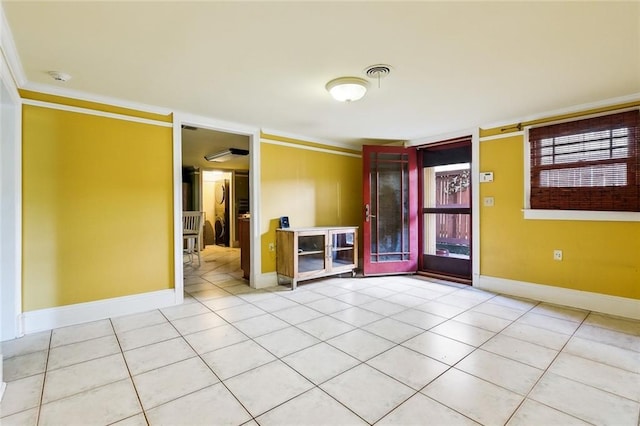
589, 164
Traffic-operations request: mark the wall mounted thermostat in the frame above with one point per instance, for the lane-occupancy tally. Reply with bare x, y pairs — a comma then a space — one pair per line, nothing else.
486, 176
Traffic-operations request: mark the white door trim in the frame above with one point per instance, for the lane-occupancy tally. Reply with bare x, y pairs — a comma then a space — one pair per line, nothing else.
10, 196
11, 209
180, 119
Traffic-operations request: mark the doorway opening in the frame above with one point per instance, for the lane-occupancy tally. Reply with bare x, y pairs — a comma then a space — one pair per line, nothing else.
215, 182
446, 207
217, 205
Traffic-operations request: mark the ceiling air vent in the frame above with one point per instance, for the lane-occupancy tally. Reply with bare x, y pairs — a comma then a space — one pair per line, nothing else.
378, 72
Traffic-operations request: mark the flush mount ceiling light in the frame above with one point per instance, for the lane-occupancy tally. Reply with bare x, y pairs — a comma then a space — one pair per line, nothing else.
226, 155
347, 89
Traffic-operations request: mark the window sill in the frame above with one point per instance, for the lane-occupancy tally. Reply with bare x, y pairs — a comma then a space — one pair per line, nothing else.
531, 214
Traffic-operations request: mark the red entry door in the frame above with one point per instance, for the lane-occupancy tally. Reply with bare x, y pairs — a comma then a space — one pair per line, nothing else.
390, 226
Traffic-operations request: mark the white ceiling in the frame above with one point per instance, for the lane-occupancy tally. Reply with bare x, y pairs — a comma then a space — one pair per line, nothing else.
200, 142
456, 65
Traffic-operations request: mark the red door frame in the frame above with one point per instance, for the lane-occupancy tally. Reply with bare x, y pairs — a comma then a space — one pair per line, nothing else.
390, 267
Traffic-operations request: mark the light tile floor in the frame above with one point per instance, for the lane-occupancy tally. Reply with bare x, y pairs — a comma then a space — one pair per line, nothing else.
338, 351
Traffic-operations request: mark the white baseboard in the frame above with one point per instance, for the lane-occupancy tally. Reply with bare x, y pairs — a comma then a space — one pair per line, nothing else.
62, 316
270, 279
612, 305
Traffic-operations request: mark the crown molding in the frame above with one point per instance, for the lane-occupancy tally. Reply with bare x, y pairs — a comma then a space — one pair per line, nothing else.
272, 132
471, 131
89, 111
268, 140
181, 117
92, 97
9, 51
503, 136
634, 97
8, 80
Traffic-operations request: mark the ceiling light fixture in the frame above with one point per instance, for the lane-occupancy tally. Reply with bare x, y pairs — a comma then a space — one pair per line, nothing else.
226, 155
347, 89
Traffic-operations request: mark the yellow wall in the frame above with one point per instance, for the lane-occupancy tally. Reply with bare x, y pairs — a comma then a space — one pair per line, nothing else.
97, 212
600, 257
97, 208
313, 188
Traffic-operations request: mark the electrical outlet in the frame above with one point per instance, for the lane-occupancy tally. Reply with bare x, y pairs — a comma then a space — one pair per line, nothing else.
272, 247
557, 255
488, 201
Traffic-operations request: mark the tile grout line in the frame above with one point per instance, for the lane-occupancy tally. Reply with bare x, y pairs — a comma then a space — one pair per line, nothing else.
44, 378
395, 344
332, 397
234, 327
360, 327
405, 308
449, 367
386, 317
271, 313
452, 366
210, 369
82, 362
135, 388
315, 386
478, 348
545, 371
278, 358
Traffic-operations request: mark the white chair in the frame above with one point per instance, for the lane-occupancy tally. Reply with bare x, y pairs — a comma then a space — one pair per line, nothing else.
192, 232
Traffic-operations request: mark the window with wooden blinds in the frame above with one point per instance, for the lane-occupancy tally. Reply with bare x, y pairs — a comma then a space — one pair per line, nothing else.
590, 164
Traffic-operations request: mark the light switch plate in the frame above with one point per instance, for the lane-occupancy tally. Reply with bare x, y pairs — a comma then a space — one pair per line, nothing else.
486, 176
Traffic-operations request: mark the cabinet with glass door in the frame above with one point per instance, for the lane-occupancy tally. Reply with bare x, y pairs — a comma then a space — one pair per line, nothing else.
307, 253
